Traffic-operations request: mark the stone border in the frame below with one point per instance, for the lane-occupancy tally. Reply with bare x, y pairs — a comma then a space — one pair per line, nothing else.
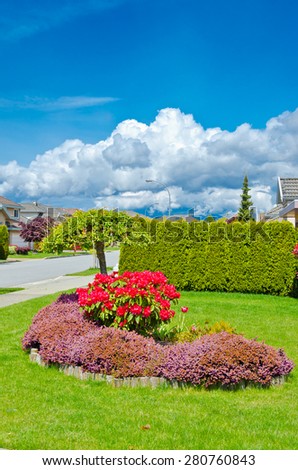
79, 373
152, 382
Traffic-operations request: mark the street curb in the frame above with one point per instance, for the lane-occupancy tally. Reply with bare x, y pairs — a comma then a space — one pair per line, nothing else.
10, 261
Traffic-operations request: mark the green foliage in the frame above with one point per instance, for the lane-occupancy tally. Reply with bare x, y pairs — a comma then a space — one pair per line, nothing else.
196, 331
96, 228
4, 242
240, 257
12, 250
244, 213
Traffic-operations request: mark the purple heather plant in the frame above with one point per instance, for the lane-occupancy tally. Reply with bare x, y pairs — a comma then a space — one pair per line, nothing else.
66, 298
63, 335
226, 359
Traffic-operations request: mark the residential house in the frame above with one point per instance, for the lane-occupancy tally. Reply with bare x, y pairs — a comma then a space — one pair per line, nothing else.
286, 207
30, 210
10, 216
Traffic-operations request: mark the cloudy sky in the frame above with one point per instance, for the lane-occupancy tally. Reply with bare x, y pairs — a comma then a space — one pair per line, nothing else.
96, 96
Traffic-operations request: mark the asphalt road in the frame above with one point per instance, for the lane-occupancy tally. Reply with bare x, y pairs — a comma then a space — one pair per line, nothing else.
27, 272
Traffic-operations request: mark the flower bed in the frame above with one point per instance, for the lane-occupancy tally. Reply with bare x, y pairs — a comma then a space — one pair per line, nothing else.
63, 335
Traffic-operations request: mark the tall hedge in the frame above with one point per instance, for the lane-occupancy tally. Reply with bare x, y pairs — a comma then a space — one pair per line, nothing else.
239, 257
4, 242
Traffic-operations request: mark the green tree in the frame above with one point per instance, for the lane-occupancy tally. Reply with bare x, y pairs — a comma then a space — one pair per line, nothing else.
4, 242
245, 210
96, 228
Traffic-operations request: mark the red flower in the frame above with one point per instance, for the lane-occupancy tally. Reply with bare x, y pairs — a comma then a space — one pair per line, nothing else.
147, 312
121, 310
184, 309
166, 314
165, 303
135, 309
109, 305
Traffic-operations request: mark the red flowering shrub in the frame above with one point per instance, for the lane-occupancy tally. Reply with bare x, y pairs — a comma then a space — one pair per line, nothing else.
225, 359
139, 301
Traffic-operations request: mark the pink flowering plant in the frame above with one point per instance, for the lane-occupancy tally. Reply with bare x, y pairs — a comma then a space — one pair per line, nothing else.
295, 250
139, 301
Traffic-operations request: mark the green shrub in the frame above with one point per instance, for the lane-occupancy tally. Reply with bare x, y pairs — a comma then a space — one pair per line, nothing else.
4, 242
12, 250
240, 257
194, 332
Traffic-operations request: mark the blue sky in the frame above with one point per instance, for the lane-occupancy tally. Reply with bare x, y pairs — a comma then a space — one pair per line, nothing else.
74, 70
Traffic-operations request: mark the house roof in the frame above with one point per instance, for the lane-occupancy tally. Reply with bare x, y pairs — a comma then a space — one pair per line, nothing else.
290, 207
287, 190
7, 202
274, 212
44, 210
33, 207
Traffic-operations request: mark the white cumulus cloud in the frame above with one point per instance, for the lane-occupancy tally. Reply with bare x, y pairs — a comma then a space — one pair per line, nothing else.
202, 168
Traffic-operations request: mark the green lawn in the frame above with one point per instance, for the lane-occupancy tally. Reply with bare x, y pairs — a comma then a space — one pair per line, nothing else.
89, 272
43, 409
7, 290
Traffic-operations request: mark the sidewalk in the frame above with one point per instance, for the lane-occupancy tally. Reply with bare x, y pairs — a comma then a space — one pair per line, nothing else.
41, 288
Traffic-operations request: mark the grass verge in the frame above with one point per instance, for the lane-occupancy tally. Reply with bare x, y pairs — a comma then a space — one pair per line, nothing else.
7, 290
43, 409
88, 272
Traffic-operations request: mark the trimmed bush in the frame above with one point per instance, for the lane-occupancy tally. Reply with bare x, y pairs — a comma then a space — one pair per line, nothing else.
64, 336
4, 242
239, 257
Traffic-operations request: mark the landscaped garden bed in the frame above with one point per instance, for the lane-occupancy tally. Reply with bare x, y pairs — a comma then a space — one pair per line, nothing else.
107, 331
42, 408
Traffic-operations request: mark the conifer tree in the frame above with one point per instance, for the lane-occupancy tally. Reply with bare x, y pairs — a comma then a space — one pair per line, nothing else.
245, 210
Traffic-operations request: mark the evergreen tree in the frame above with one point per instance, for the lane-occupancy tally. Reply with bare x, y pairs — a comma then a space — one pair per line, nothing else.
245, 210
4, 242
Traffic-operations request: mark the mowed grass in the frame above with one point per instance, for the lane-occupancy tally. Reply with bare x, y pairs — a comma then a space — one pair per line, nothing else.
8, 290
88, 272
41, 408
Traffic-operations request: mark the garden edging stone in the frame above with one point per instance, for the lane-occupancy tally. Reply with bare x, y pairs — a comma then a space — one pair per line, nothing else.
152, 382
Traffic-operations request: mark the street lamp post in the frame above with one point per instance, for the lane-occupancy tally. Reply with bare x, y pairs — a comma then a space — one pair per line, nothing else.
166, 189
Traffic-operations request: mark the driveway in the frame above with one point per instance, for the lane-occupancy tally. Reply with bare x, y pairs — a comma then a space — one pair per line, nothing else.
24, 272
46, 276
